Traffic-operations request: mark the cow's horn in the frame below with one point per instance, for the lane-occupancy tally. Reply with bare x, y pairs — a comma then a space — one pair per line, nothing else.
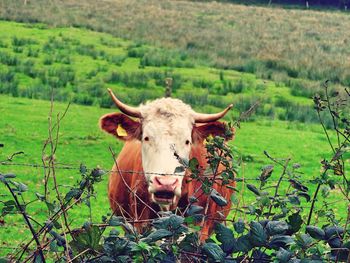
131, 111
203, 117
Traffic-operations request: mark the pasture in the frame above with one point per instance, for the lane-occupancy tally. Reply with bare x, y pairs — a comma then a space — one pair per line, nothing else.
298, 48
24, 127
76, 50
80, 64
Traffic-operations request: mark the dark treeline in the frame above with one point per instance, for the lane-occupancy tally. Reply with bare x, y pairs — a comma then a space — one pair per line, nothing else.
342, 4
336, 3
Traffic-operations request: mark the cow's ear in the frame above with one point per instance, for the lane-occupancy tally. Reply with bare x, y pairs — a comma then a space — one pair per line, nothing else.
202, 131
121, 126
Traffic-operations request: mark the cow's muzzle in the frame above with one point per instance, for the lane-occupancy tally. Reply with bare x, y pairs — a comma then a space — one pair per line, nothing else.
165, 188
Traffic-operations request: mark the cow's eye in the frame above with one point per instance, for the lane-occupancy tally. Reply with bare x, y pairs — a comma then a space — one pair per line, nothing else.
187, 142
146, 139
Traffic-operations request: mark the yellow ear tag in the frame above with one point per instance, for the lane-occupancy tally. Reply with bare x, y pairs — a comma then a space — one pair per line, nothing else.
121, 132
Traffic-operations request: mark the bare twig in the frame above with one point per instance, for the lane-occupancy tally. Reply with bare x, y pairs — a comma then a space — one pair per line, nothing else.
26, 218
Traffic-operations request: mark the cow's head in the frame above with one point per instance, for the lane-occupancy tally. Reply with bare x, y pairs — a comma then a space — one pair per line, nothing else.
167, 129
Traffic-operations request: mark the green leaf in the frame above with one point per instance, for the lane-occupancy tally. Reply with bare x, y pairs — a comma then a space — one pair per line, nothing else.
116, 221
232, 188
297, 185
239, 226
295, 221
266, 172
157, 235
194, 209
283, 255
54, 246
179, 169
8, 176
279, 241
192, 199
276, 227
305, 195
225, 236
253, 189
193, 164
293, 199
252, 209
40, 196
4, 260
83, 169
218, 198
89, 238
73, 193
214, 252
316, 232
190, 243
303, 240
97, 172
331, 231
234, 199
9, 206
22, 187
59, 239
141, 246
257, 234
335, 242
243, 244
172, 223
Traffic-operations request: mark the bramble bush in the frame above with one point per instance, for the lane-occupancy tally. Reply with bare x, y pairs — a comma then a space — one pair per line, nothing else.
280, 225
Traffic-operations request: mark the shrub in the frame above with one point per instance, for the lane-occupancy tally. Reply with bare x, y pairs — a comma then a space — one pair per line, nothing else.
133, 79
137, 50
19, 41
303, 88
202, 83
27, 67
198, 97
88, 50
8, 59
53, 44
32, 52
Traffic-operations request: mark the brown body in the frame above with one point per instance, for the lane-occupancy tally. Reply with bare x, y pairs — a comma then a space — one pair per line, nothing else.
125, 203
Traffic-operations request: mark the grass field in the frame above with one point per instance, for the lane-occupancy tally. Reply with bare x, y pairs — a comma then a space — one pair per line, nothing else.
81, 141
295, 47
210, 69
80, 64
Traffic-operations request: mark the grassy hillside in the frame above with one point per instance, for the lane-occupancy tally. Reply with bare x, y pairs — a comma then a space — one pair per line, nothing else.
79, 64
24, 125
294, 47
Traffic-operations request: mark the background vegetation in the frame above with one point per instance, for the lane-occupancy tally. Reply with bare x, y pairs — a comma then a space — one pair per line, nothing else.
289, 46
79, 64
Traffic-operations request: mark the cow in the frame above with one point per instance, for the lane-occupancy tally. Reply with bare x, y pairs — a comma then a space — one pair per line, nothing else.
158, 135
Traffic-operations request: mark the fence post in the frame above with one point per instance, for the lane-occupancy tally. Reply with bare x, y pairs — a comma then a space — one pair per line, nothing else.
168, 87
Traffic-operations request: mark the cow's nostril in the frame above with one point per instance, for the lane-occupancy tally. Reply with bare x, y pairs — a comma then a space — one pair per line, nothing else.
175, 182
158, 181
166, 181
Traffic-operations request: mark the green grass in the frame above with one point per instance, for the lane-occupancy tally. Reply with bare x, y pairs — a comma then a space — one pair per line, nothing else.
274, 43
80, 64
24, 128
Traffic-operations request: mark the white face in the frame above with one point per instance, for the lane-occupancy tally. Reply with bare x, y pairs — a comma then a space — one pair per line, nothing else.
160, 140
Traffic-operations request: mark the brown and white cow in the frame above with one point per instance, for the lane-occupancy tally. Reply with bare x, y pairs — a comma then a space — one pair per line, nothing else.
143, 180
